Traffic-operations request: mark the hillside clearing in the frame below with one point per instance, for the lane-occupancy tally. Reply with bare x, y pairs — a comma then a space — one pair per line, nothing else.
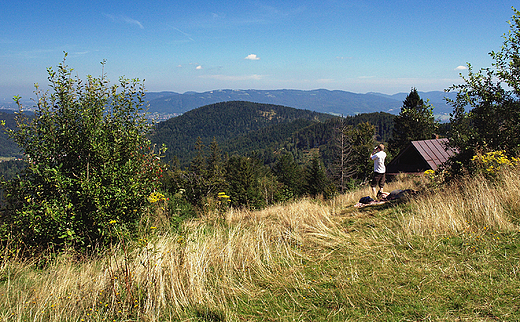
309, 260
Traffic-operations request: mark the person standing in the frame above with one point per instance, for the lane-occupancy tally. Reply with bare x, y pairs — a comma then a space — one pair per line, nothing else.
378, 180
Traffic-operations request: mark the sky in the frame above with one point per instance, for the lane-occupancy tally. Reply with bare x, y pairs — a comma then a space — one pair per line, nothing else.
201, 45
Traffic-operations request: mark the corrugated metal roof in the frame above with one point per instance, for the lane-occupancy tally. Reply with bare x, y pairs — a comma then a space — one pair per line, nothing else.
435, 152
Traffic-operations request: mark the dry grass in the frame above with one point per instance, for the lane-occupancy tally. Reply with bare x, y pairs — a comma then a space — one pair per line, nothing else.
475, 204
210, 267
298, 258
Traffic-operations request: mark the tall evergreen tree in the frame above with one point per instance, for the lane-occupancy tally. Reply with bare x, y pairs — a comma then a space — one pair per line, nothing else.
289, 173
362, 142
316, 178
242, 178
414, 122
197, 187
198, 164
215, 168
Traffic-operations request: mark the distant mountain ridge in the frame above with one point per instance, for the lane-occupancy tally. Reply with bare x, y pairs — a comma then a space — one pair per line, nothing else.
321, 100
169, 103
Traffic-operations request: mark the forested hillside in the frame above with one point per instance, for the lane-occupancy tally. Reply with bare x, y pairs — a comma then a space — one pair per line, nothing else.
302, 136
8, 148
222, 122
241, 128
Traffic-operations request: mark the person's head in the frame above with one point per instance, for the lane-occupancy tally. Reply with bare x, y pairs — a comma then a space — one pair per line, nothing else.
381, 147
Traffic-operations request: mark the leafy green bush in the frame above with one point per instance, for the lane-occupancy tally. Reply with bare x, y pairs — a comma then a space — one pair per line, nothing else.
90, 166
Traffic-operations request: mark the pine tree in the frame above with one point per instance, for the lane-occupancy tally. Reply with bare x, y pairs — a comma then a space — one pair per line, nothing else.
362, 142
343, 167
289, 173
414, 122
215, 168
198, 164
316, 178
242, 178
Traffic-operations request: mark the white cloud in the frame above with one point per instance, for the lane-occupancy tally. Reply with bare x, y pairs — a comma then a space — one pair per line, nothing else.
252, 57
198, 67
461, 68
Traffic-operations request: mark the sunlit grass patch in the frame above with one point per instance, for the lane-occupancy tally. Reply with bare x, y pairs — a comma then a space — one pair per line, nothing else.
306, 260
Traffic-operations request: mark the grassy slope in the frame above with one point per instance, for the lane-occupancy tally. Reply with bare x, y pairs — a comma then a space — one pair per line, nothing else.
449, 255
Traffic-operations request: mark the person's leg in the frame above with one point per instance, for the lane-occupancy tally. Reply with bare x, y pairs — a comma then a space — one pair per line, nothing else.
382, 182
374, 184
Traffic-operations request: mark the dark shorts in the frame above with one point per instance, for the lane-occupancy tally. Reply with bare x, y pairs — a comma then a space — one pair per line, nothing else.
378, 180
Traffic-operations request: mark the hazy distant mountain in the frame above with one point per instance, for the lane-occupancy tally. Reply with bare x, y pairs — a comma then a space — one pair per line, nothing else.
321, 100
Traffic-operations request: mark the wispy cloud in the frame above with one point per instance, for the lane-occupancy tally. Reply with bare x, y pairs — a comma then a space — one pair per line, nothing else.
252, 57
233, 77
188, 36
124, 19
461, 68
79, 53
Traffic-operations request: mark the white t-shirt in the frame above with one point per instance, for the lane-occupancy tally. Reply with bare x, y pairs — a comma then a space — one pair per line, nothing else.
379, 162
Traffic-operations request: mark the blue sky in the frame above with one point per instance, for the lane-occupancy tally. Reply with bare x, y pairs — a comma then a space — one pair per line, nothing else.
200, 45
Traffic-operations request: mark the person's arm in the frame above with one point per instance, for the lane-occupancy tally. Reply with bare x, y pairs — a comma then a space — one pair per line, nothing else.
376, 149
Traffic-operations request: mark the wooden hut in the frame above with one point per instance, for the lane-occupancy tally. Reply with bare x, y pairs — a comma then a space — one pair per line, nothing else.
420, 156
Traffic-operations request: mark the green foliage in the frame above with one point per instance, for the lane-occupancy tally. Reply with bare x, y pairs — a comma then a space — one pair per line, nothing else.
9, 148
179, 210
290, 174
242, 181
362, 143
353, 144
222, 121
414, 122
316, 181
90, 166
486, 112
10, 169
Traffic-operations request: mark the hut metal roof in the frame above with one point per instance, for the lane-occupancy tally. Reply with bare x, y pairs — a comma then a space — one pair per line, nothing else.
435, 152
421, 155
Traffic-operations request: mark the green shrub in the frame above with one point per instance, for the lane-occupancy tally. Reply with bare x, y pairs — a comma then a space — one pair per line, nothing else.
90, 166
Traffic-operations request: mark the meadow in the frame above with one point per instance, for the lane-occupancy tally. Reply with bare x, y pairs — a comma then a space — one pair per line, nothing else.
451, 253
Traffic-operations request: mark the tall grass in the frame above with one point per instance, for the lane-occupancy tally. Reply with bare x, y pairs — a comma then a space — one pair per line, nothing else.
267, 261
216, 262
477, 203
